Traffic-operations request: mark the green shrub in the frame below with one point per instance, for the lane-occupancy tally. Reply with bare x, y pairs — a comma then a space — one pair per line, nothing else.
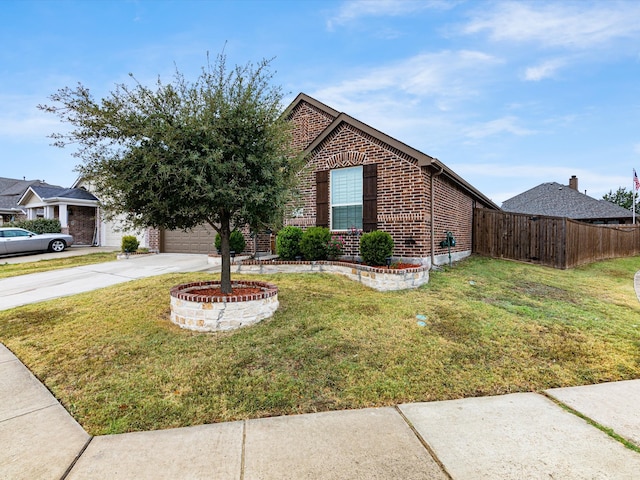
130, 243
237, 242
313, 243
375, 247
288, 243
39, 225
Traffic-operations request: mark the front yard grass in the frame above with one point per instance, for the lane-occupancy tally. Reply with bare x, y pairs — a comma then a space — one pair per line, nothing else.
493, 327
15, 269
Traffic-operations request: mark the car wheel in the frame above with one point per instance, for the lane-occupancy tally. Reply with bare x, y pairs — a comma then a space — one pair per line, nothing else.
57, 246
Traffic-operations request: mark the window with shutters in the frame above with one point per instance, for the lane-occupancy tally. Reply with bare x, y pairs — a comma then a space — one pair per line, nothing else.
346, 198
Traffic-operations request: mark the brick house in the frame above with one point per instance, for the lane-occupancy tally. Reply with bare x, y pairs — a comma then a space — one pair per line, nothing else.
75, 208
358, 177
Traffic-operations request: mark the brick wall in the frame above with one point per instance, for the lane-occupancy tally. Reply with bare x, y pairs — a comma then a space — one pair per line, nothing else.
402, 189
453, 212
309, 121
153, 234
82, 223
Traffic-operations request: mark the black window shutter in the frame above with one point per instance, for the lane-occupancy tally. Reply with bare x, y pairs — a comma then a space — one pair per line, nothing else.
322, 198
369, 197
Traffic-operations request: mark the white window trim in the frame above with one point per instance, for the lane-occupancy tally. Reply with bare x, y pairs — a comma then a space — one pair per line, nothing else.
331, 204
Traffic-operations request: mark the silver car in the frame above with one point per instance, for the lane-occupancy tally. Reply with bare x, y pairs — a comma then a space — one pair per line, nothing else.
18, 240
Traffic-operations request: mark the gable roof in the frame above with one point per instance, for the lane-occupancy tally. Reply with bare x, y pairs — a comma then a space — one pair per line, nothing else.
422, 159
303, 97
556, 200
49, 194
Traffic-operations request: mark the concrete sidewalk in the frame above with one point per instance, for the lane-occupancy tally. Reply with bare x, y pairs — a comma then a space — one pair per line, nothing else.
517, 436
37, 287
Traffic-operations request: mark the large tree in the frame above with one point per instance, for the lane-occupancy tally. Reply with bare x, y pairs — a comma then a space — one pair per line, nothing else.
623, 198
216, 150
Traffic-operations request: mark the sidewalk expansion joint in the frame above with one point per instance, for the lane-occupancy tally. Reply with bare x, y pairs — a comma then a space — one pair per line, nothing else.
242, 455
73, 463
609, 431
32, 411
424, 443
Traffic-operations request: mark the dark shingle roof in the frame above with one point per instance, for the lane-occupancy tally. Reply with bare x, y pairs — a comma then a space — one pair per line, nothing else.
12, 189
59, 192
557, 200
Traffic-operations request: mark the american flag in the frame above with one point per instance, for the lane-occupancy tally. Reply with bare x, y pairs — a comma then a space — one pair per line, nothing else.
636, 182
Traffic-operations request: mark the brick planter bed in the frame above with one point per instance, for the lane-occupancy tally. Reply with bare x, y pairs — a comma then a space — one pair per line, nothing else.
194, 306
379, 278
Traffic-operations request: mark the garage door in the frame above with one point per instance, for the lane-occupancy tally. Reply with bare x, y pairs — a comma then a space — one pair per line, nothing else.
198, 240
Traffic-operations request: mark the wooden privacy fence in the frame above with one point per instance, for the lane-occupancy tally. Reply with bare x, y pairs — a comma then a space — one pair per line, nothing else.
552, 241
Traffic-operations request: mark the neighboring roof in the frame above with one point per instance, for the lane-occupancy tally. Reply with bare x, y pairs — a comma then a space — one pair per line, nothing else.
58, 192
52, 193
557, 200
422, 159
12, 189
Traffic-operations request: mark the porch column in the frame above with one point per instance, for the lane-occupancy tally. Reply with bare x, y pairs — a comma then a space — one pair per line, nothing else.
31, 214
49, 211
64, 218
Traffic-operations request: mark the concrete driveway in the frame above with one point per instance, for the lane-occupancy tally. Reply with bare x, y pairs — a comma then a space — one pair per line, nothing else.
37, 287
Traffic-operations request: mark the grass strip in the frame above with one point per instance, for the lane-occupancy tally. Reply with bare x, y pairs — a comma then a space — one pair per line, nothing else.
15, 269
609, 431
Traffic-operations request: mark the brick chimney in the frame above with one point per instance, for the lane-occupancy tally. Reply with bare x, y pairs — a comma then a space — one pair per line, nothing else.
573, 182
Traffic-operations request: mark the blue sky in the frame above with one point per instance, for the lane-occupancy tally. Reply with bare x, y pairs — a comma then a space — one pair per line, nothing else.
507, 94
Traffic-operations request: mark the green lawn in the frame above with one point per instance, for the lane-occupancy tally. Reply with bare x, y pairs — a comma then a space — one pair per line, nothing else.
117, 364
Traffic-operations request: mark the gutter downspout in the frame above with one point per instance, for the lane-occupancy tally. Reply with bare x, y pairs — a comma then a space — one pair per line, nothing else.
433, 213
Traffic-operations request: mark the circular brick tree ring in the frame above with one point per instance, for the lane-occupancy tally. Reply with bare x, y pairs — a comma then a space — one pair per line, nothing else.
200, 306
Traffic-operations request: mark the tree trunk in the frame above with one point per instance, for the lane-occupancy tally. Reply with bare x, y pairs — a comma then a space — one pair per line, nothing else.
225, 251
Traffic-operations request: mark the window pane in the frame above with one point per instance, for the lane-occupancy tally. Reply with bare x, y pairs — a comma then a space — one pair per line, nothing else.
346, 186
346, 217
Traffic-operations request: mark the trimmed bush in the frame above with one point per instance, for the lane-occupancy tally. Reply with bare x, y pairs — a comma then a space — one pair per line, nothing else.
375, 247
288, 243
313, 244
39, 225
130, 243
237, 243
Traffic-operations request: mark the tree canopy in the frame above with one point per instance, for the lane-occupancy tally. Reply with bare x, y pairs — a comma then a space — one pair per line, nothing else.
181, 154
623, 198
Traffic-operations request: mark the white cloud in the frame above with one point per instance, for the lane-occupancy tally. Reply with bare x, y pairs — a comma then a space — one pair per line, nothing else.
577, 25
508, 124
21, 118
543, 70
442, 76
354, 9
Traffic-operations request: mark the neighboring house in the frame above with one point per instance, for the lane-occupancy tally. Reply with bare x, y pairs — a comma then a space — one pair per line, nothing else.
555, 200
109, 233
75, 208
359, 177
11, 190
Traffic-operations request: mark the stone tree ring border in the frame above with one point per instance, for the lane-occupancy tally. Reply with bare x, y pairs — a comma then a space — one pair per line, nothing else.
193, 310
